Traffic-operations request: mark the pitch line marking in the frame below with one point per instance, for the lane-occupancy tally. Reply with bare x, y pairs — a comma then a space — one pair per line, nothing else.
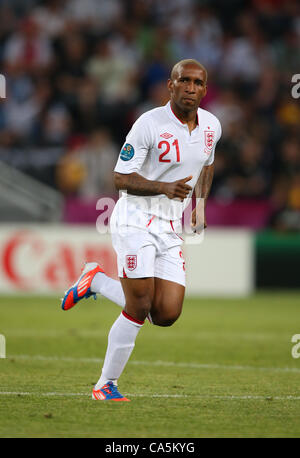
145, 395
101, 333
160, 363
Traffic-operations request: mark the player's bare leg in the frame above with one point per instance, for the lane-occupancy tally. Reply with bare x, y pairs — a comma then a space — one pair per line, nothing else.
139, 295
162, 298
167, 303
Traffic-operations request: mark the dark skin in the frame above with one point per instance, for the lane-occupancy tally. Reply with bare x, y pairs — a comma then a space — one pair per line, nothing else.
163, 299
202, 188
187, 89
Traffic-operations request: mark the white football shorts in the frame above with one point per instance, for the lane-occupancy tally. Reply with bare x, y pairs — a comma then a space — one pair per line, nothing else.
147, 246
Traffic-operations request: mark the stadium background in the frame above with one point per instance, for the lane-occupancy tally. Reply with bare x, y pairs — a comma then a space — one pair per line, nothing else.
78, 73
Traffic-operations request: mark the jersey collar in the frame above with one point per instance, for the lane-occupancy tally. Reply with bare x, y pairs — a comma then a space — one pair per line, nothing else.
173, 116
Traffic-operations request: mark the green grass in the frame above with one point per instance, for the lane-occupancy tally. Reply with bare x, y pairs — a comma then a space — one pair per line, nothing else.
223, 370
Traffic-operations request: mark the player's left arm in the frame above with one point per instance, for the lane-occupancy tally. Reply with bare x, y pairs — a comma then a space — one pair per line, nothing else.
203, 185
202, 189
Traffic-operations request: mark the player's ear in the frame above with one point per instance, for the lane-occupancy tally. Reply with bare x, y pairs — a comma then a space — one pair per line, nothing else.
170, 85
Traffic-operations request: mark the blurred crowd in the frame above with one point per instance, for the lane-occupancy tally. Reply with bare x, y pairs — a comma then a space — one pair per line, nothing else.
79, 72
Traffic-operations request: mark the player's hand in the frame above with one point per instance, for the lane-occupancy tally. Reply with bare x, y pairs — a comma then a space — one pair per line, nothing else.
198, 220
178, 189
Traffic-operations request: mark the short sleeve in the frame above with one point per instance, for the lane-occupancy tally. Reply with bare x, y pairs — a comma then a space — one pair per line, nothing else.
211, 157
138, 143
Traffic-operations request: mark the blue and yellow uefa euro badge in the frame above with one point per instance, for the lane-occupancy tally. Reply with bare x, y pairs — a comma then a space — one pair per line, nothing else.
127, 152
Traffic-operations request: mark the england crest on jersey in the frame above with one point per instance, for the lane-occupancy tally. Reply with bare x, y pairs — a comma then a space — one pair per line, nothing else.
131, 261
209, 136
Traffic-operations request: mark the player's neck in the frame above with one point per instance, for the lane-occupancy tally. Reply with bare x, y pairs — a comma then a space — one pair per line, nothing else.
186, 117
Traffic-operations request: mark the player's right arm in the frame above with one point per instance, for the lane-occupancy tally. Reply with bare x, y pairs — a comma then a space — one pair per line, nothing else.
139, 141
136, 184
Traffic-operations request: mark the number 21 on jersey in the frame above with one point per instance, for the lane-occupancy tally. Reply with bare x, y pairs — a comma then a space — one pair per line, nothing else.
165, 146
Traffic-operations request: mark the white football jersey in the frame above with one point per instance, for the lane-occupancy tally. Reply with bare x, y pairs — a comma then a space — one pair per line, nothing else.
160, 147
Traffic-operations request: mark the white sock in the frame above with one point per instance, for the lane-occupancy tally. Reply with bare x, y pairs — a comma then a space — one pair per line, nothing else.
109, 288
121, 341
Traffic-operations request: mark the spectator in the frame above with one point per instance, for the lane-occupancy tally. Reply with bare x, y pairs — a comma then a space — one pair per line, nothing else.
87, 170
24, 106
114, 75
51, 17
27, 50
79, 73
228, 109
201, 40
86, 108
249, 179
246, 56
94, 15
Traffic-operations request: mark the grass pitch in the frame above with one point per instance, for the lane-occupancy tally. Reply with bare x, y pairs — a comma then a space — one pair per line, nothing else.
225, 369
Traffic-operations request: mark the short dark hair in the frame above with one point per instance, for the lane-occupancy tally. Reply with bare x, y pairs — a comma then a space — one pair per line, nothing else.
184, 62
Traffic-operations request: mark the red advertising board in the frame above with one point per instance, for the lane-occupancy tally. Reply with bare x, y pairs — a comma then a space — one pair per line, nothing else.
47, 259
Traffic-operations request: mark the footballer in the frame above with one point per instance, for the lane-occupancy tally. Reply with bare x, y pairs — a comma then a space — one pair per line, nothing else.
167, 155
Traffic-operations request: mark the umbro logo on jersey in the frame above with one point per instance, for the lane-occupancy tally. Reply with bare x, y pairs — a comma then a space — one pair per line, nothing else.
166, 135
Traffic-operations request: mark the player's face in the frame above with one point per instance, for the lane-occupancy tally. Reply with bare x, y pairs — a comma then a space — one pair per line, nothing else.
188, 87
